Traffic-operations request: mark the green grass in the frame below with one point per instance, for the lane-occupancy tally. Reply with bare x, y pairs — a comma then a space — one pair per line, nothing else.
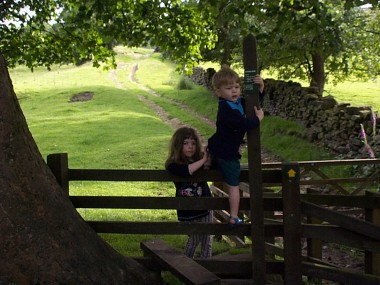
115, 130
357, 93
285, 139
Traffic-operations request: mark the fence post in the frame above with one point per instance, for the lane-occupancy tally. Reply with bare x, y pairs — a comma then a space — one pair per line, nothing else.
251, 93
372, 260
292, 223
58, 163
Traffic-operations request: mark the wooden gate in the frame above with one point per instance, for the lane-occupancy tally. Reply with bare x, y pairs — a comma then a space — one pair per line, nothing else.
294, 206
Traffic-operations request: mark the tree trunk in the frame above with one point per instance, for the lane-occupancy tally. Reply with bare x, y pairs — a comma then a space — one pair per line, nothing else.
318, 73
43, 240
226, 57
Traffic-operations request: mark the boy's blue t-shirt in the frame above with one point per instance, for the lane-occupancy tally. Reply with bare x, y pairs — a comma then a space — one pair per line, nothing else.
236, 106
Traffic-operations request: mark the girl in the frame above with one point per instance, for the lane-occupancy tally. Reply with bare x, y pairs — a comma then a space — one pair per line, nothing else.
185, 157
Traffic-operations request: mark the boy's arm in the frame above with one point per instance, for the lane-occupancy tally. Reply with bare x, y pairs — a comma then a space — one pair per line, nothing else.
259, 81
259, 113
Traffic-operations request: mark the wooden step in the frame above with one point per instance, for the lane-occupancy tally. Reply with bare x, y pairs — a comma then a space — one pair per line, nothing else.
183, 267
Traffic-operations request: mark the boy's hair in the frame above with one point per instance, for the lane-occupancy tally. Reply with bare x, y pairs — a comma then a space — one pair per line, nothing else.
225, 76
176, 144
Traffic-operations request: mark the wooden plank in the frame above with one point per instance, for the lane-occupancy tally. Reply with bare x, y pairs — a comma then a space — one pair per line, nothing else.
149, 263
270, 203
185, 268
237, 266
372, 259
317, 171
237, 282
350, 223
132, 202
229, 266
358, 201
350, 180
175, 228
311, 163
270, 174
167, 228
338, 235
154, 175
270, 177
251, 93
338, 275
184, 203
374, 177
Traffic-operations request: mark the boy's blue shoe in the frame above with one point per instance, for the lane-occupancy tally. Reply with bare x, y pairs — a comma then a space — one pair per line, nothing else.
234, 221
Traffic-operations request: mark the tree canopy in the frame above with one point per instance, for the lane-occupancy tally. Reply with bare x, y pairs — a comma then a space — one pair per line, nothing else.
306, 39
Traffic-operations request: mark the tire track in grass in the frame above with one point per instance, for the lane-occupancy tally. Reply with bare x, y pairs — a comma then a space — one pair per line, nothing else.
165, 116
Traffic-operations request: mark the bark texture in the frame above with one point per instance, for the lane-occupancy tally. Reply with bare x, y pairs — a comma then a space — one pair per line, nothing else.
43, 240
318, 76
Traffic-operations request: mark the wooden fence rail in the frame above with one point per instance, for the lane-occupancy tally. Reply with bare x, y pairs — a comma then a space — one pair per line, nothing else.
337, 228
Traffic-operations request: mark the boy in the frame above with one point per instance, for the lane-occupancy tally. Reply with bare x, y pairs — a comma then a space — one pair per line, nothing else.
231, 127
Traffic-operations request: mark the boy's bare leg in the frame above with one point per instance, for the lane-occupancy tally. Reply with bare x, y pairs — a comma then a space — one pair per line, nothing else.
234, 200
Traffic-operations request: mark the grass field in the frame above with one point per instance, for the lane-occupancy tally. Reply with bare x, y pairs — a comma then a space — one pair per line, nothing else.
357, 93
116, 130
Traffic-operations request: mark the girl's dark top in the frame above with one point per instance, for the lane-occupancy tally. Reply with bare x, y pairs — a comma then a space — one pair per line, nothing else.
189, 189
231, 126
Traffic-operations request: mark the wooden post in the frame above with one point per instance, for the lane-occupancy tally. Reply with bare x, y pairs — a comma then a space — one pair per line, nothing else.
372, 260
254, 164
58, 163
292, 223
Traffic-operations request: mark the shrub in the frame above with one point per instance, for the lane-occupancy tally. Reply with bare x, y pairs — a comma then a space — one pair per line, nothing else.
185, 84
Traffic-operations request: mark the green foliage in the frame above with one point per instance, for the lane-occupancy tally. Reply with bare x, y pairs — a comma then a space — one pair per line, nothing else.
290, 33
185, 83
300, 34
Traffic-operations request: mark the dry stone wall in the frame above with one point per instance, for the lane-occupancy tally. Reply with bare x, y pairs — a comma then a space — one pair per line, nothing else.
335, 125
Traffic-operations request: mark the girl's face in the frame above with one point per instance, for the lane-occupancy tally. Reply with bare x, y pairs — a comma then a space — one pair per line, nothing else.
189, 147
230, 92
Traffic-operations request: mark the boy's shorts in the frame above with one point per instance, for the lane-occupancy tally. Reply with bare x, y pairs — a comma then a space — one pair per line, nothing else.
230, 170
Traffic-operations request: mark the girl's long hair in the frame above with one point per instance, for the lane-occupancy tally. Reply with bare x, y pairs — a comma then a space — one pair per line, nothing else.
176, 144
